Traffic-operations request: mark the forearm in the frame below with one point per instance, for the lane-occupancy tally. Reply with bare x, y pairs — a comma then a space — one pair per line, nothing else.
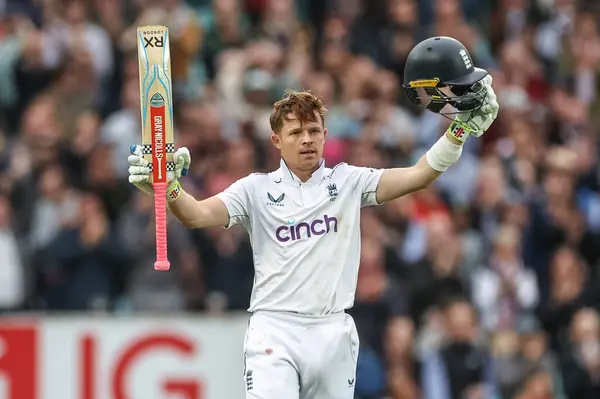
442, 155
402, 181
398, 182
185, 210
196, 214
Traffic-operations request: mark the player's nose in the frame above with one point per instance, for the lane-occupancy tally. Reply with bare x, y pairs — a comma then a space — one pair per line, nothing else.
307, 138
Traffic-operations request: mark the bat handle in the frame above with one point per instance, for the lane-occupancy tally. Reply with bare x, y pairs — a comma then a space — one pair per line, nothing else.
160, 216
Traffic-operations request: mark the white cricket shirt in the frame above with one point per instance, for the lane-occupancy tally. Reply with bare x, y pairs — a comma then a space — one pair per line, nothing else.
305, 236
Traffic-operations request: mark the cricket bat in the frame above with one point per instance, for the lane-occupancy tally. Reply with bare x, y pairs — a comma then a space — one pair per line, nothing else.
156, 105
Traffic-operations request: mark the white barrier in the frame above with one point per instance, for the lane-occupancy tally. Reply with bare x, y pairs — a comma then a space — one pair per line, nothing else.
82, 357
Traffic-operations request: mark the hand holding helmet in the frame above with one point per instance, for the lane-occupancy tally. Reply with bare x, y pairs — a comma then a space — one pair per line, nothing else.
440, 75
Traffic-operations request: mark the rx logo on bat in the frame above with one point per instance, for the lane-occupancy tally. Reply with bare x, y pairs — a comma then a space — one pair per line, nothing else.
154, 41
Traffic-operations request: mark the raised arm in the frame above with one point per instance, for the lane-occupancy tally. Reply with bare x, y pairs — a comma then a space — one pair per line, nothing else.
194, 214
397, 182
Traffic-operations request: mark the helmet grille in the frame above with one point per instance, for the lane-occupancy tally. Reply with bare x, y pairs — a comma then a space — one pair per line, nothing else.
447, 100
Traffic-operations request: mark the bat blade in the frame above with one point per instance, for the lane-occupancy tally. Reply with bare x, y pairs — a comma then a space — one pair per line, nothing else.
156, 104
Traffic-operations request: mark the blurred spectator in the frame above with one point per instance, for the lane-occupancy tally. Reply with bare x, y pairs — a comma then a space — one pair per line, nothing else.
581, 359
403, 365
520, 353
436, 278
56, 208
568, 293
145, 290
83, 266
381, 315
14, 288
505, 289
122, 128
460, 367
537, 384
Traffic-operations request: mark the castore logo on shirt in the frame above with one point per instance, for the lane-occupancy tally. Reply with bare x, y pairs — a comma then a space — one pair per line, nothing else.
275, 201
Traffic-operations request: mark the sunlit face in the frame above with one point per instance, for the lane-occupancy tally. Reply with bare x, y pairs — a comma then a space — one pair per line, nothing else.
301, 144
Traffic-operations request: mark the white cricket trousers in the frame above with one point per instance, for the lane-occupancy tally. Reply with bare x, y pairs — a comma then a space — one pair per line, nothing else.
292, 356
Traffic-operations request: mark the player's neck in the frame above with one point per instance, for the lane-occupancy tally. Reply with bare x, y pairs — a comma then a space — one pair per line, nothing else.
303, 175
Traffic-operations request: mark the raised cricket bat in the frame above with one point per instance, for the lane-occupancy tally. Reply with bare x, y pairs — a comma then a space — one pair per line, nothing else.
156, 105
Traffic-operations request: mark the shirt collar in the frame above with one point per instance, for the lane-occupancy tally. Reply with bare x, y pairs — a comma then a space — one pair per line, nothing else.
288, 175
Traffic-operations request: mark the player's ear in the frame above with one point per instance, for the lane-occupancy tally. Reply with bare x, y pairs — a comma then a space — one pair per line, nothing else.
325, 132
276, 139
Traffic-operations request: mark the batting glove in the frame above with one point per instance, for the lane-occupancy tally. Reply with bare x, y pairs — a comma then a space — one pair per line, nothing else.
476, 123
139, 171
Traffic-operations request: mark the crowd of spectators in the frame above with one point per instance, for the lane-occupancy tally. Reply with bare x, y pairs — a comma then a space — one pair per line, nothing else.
482, 286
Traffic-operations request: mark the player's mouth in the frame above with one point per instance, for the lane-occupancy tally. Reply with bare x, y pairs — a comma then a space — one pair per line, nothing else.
308, 153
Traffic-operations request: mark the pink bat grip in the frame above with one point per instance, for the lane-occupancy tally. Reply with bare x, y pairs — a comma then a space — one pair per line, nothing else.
160, 216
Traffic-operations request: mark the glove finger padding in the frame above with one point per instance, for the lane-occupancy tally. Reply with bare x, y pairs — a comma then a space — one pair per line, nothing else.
487, 80
485, 116
138, 166
136, 150
137, 179
139, 170
136, 160
491, 104
182, 159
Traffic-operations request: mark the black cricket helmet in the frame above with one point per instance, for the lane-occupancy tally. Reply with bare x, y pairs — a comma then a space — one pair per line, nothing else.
439, 74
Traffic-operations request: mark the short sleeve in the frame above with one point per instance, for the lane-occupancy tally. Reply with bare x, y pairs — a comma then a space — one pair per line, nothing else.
237, 201
366, 180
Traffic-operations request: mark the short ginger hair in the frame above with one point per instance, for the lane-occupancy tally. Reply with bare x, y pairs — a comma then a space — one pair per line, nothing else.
302, 104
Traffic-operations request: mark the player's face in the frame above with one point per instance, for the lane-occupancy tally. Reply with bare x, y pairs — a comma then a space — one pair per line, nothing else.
301, 144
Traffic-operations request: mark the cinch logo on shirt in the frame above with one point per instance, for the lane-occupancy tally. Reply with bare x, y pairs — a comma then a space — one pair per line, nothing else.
302, 230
